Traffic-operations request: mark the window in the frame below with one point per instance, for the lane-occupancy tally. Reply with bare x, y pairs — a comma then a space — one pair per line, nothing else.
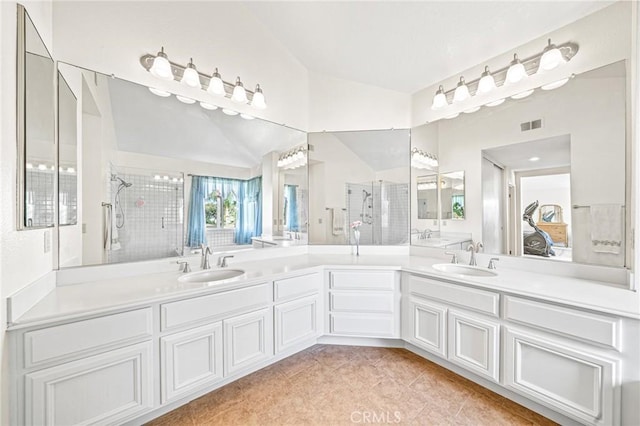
221, 213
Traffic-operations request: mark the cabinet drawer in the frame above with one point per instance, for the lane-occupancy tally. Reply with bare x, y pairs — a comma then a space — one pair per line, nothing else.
362, 279
80, 337
203, 308
471, 298
362, 325
593, 328
360, 301
296, 286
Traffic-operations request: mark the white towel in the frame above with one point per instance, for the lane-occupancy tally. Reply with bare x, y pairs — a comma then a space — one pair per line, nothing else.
606, 228
337, 221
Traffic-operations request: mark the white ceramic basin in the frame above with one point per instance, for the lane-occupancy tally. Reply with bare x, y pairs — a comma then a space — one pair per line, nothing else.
210, 275
466, 270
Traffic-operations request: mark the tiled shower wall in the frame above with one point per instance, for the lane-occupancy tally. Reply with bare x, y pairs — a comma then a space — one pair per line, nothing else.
149, 216
39, 198
385, 214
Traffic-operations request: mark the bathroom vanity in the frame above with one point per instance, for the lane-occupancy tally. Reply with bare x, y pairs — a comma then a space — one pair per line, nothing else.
132, 346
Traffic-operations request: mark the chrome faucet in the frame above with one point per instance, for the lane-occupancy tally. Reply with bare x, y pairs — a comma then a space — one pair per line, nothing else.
492, 263
222, 261
425, 234
184, 266
454, 256
204, 261
474, 248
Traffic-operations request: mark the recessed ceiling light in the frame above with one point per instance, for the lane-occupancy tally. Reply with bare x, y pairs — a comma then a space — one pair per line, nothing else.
185, 99
522, 95
229, 111
496, 103
208, 106
534, 159
158, 92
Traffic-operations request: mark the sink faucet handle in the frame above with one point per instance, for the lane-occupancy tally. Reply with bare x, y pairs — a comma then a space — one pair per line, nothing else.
479, 246
492, 263
454, 256
222, 261
184, 266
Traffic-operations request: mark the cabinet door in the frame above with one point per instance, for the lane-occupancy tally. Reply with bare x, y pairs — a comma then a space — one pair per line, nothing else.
296, 321
105, 388
474, 344
579, 384
248, 340
190, 359
427, 326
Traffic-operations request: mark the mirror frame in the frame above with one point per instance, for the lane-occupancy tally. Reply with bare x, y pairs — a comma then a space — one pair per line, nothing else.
21, 122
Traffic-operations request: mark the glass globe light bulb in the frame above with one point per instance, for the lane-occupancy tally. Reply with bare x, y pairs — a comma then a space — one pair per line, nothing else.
239, 94
216, 85
462, 91
516, 71
190, 76
258, 98
486, 83
551, 58
440, 99
161, 67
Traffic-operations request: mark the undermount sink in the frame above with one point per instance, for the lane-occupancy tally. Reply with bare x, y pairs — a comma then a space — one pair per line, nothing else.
210, 275
470, 271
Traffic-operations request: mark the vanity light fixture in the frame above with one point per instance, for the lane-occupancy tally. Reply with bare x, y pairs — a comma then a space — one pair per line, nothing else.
190, 75
185, 100
487, 83
160, 66
516, 71
208, 106
555, 84
495, 103
440, 99
423, 160
229, 111
294, 158
551, 58
239, 93
522, 95
462, 91
159, 92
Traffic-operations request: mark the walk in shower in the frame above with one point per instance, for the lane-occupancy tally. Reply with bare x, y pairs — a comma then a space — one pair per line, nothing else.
383, 209
144, 218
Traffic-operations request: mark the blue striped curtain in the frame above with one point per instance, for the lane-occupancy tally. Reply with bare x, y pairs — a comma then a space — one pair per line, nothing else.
196, 221
249, 220
292, 208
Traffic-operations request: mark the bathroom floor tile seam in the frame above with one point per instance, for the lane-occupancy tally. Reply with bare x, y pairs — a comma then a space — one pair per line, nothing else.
336, 385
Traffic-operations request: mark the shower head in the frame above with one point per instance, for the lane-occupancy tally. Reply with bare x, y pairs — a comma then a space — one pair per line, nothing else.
365, 194
123, 182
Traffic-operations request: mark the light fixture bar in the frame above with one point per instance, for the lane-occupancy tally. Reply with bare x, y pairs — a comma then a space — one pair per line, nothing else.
178, 71
531, 65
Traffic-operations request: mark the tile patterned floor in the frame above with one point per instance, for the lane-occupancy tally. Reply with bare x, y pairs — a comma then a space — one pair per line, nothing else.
335, 385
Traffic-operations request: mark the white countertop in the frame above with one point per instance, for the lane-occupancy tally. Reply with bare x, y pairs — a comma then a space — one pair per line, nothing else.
110, 295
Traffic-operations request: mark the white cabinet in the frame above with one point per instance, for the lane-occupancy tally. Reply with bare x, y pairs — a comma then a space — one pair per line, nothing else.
579, 384
296, 322
105, 388
425, 325
364, 303
474, 343
248, 340
190, 359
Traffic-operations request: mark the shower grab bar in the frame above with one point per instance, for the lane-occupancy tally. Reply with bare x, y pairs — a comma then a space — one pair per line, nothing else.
578, 206
107, 226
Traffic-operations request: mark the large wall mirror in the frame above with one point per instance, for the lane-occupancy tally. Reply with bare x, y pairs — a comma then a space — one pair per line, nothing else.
35, 128
363, 177
148, 176
546, 176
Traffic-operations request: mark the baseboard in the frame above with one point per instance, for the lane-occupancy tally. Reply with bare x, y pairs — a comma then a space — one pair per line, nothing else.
361, 341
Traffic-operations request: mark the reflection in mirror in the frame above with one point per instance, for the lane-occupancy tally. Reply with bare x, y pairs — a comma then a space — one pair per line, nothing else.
295, 203
67, 154
427, 196
452, 195
564, 147
138, 155
36, 144
359, 176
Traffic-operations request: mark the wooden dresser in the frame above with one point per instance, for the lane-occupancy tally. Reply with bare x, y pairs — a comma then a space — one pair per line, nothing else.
557, 232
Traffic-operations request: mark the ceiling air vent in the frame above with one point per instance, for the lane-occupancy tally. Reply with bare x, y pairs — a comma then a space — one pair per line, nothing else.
531, 125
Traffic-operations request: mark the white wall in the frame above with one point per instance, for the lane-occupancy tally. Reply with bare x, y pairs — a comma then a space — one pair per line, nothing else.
336, 104
22, 256
111, 36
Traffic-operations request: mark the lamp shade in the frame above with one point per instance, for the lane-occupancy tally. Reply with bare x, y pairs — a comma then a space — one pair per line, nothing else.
516, 71
258, 98
440, 99
462, 91
216, 85
161, 67
487, 82
190, 76
239, 94
551, 58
